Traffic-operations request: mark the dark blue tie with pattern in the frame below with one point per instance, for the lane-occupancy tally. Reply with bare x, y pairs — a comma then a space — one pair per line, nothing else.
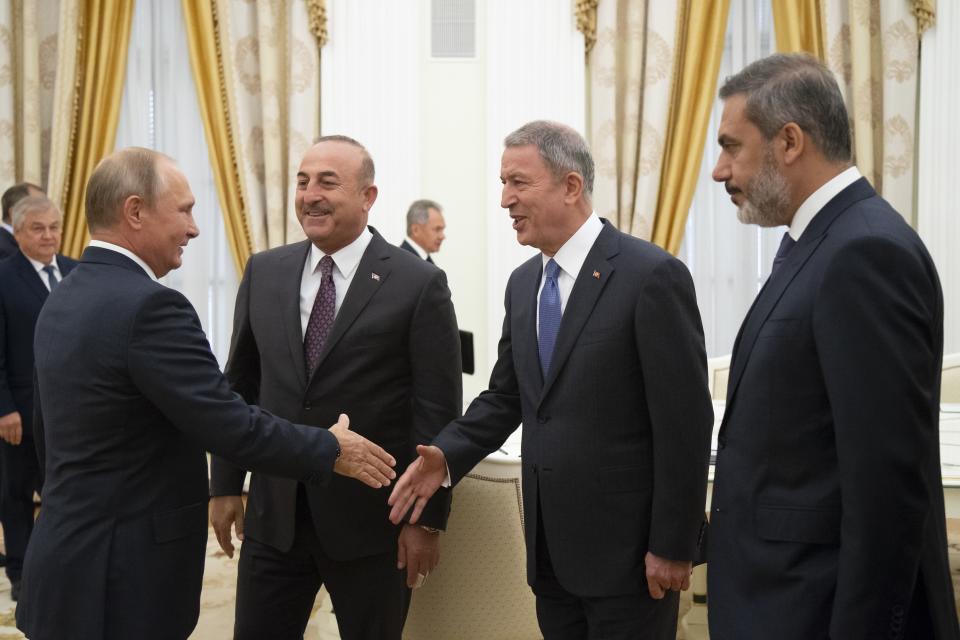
550, 315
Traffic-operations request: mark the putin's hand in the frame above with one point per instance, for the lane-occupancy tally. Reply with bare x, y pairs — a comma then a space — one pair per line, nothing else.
418, 484
361, 459
224, 512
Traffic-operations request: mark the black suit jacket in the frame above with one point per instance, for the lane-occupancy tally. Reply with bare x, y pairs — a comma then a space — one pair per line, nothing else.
827, 511
8, 244
22, 294
391, 363
409, 247
616, 440
128, 398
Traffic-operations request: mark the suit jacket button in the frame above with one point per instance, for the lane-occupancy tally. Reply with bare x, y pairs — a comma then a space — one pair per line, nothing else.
306, 406
543, 419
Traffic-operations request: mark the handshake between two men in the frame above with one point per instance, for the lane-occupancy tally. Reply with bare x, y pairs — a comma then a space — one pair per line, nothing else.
358, 458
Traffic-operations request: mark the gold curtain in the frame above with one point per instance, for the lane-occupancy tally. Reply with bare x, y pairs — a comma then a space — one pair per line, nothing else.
798, 25
104, 29
701, 30
206, 59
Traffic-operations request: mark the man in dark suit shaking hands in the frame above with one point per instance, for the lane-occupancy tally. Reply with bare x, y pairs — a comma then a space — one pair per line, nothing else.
128, 398
26, 279
827, 514
602, 359
343, 321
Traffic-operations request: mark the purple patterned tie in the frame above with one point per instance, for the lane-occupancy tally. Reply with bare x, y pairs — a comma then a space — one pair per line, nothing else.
321, 316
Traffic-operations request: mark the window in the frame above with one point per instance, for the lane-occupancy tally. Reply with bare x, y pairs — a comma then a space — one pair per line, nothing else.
729, 260
160, 111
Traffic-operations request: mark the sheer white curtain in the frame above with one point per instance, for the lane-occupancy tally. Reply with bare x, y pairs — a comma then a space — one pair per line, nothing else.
937, 219
729, 261
160, 111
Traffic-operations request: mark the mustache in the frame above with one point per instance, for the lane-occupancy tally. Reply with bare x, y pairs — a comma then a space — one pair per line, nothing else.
316, 209
730, 190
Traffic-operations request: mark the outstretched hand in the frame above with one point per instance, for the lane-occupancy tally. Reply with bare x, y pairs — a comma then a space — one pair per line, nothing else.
418, 484
361, 459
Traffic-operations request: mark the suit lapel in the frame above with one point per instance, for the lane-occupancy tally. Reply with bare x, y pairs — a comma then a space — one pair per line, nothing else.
31, 278
777, 284
525, 326
371, 274
291, 274
590, 282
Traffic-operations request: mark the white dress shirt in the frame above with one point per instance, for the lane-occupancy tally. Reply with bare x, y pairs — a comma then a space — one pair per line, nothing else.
124, 251
345, 263
420, 252
44, 277
571, 257
819, 199
7, 227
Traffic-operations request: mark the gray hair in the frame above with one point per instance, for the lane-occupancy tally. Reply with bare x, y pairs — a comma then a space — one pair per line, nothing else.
367, 171
124, 173
561, 147
419, 212
796, 88
28, 205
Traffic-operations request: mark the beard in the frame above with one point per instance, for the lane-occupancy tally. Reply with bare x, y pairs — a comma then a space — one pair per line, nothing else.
766, 197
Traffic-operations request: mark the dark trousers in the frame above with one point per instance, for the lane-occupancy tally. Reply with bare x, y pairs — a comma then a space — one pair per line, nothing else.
19, 478
276, 590
565, 616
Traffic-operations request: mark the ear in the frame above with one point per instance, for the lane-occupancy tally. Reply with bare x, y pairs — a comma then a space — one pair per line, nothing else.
572, 187
131, 211
369, 197
793, 142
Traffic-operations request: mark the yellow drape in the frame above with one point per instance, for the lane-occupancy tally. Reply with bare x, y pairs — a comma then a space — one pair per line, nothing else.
798, 25
207, 63
701, 27
101, 69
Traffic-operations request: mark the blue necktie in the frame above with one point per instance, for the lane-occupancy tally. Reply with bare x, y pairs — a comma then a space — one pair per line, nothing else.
51, 276
550, 315
785, 245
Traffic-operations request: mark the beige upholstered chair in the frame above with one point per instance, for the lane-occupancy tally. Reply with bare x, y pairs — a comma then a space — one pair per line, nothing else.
479, 591
950, 383
717, 371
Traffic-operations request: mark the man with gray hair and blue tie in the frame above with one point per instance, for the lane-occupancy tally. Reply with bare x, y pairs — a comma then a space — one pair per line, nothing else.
602, 359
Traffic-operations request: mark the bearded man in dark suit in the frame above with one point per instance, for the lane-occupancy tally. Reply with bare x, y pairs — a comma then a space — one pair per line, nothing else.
827, 517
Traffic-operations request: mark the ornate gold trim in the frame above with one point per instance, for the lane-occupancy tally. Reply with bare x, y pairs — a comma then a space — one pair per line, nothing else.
586, 12
225, 99
926, 14
317, 16
78, 70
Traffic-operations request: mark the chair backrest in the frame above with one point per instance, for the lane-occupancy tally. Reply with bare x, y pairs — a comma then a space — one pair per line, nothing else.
479, 590
950, 380
718, 369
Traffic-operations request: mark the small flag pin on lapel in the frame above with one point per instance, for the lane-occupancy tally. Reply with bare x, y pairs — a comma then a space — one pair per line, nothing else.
596, 274
375, 276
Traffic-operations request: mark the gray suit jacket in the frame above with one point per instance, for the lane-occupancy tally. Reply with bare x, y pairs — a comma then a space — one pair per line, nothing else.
616, 440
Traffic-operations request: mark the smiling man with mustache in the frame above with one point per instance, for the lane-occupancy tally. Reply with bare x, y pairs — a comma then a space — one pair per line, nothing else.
342, 322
